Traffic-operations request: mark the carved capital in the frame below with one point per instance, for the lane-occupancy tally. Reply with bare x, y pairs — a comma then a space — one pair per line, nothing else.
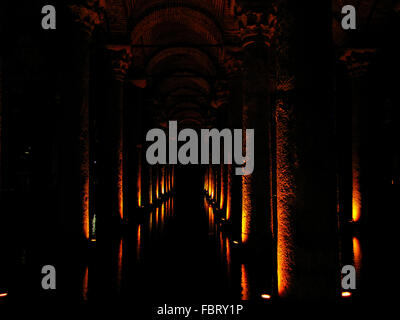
256, 26
221, 94
357, 60
233, 64
88, 16
121, 59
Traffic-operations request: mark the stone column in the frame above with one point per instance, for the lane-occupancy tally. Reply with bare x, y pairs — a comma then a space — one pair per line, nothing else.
222, 105
1, 120
86, 18
357, 62
307, 256
234, 71
139, 177
206, 179
256, 30
151, 188
120, 58
221, 204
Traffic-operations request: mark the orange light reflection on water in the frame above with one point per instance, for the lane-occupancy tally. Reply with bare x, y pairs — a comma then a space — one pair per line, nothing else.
85, 284
245, 283
357, 255
120, 255
138, 243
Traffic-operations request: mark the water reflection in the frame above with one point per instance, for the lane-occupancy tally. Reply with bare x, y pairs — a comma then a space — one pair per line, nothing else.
120, 256
138, 242
85, 284
244, 282
357, 257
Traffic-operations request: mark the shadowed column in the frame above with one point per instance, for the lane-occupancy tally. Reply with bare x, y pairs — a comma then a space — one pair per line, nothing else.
85, 19
120, 58
256, 30
357, 62
307, 255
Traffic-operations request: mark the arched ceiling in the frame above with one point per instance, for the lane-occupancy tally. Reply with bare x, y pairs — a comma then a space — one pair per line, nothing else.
179, 49
178, 45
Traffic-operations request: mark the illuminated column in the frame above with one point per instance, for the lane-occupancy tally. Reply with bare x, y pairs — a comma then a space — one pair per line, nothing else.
357, 62
256, 31
167, 179
139, 171
214, 183
120, 57
222, 188
206, 179
229, 191
234, 71
307, 252
217, 192
157, 182
172, 177
86, 18
154, 183
151, 185
162, 179
210, 182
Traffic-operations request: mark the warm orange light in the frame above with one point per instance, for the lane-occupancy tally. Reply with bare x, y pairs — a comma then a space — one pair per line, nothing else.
151, 185
139, 179
286, 199
2, 295
356, 192
210, 220
173, 178
244, 283
158, 184
162, 180
93, 240
85, 284
157, 217
120, 254
247, 207
357, 255
121, 186
206, 180
228, 257
222, 199
346, 294
162, 216
85, 208
228, 194
139, 235
266, 296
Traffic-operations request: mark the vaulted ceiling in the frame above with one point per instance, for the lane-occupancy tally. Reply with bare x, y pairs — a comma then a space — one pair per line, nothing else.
178, 45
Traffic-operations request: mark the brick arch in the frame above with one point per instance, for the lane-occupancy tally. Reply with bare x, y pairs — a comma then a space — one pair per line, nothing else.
181, 58
185, 18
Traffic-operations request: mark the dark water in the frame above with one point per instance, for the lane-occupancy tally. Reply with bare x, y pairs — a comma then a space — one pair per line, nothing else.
178, 253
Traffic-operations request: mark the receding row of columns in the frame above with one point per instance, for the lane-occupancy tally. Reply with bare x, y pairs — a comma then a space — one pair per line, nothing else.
288, 206
114, 180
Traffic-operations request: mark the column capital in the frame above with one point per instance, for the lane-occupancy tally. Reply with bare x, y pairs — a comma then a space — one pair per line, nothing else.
256, 25
87, 16
233, 63
221, 94
357, 60
121, 59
